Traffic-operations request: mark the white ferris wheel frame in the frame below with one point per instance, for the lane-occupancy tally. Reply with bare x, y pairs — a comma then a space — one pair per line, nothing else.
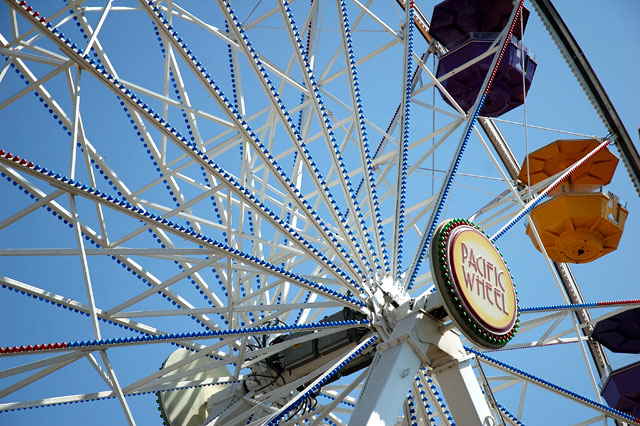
231, 191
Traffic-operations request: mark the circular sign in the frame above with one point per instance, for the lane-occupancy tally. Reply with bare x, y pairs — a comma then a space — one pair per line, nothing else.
476, 285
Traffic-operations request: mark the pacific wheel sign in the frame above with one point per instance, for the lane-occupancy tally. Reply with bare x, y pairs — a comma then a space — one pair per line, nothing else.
476, 285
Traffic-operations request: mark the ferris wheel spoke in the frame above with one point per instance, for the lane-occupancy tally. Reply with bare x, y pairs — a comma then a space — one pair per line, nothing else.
326, 126
36, 83
521, 374
556, 339
19, 49
79, 140
156, 378
185, 105
434, 395
419, 211
537, 322
280, 307
228, 337
171, 75
55, 362
293, 133
101, 20
156, 155
14, 24
315, 386
513, 420
364, 150
165, 284
415, 212
117, 389
342, 395
505, 382
551, 341
363, 59
338, 399
31, 208
430, 107
249, 135
378, 20
104, 395
174, 385
39, 375
133, 266
424, 406
99, 369
400, 191
75, 306
435, 82
497, 207
65, 215
546, 333
86, 275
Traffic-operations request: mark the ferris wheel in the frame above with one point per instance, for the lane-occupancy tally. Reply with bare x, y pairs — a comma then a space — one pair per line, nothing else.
312, 212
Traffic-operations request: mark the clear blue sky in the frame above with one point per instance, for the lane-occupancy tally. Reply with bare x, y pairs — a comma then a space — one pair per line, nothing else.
607, 31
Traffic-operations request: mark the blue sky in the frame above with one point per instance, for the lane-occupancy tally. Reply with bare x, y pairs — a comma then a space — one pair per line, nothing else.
608, 33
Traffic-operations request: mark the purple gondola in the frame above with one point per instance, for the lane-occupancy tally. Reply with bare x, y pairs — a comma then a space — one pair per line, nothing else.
620, 333
453, 20
506, 93
468, 28
622, 388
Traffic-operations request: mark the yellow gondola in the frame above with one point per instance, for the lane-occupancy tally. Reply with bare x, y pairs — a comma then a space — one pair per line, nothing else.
580, 222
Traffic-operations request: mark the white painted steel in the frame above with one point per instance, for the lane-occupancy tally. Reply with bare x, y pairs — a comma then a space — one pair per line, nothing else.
306, 243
